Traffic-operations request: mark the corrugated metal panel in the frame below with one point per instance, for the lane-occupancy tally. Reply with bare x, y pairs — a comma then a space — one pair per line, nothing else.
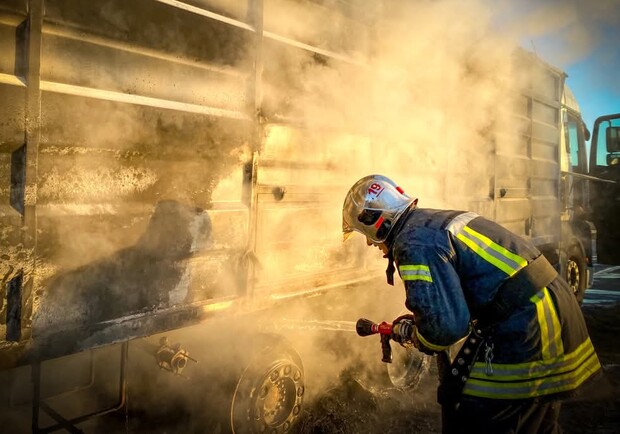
300, 187
527, 175
141, 123
136, 185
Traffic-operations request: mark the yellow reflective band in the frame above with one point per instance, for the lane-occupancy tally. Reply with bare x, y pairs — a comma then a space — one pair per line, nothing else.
414, 267
550, 328
537, 299
554, 324
480, 251
427, 344
507, 253
415, 272
492, 252
533, 388
537, 369
414, 277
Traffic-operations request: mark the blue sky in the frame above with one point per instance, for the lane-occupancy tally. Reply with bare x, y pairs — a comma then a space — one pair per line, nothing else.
580, 37
594, 77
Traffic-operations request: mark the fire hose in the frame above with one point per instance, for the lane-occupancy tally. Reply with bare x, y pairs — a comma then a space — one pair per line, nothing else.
365, 327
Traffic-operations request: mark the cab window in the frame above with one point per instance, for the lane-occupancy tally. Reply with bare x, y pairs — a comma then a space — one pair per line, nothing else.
571, 136
574, 138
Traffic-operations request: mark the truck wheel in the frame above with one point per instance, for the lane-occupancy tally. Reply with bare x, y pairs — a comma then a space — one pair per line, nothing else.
269, 394
397, 379
576, 272
408, 367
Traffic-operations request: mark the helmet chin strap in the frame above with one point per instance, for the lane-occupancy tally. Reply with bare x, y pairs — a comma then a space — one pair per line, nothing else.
389, 271
389, 242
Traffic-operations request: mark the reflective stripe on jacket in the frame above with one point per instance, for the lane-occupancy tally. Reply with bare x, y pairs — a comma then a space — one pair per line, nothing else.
452, 264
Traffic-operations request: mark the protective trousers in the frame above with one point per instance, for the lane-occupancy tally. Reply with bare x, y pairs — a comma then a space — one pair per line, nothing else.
496, 416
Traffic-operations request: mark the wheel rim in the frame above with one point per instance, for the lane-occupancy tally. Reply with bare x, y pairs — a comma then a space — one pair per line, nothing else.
573, 275
274, 402
406, 367
277, 396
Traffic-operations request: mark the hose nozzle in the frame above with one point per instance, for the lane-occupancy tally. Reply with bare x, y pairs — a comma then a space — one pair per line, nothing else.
366, 327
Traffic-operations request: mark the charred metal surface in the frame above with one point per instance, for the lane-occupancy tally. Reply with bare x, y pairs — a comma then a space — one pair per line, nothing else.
115, 141
71, 340
14, 308
137, 179
140, 278
155, 25
18, 179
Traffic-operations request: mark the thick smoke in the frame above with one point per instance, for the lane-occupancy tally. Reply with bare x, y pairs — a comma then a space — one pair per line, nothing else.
422, 106
419, 99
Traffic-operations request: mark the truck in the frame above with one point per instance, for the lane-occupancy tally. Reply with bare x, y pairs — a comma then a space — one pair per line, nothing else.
172, 175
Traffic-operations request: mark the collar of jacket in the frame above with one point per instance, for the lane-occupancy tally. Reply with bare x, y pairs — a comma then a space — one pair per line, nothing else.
389, 243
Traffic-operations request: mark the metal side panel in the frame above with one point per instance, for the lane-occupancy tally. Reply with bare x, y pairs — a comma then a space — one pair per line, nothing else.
132, 172
15, 257
132, 132
527, 194
333, 29
301, 181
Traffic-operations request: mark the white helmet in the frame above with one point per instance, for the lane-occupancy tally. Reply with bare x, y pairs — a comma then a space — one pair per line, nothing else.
372, 207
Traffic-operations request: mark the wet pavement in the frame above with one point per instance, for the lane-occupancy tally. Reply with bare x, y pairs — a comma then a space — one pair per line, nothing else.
606, 286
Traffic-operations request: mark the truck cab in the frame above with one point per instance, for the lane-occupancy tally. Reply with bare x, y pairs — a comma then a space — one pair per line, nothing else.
604, 186
589, 193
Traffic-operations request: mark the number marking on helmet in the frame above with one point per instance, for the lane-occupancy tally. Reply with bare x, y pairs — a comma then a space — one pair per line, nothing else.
375, 189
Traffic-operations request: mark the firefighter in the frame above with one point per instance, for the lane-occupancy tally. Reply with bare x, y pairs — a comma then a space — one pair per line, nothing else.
524, 345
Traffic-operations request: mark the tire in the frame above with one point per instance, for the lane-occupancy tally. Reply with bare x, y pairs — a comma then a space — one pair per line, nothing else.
576, 272
269, 394
396, 379
408, 367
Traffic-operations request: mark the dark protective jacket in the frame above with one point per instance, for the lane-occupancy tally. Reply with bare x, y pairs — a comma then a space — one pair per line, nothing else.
452, 264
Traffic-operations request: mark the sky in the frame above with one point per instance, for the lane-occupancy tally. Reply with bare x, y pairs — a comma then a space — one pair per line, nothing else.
580, 37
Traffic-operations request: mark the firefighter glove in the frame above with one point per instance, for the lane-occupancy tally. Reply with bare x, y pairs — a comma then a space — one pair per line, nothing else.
402, 330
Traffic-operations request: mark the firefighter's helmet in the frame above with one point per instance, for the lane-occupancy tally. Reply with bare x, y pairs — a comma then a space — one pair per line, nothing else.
372, 207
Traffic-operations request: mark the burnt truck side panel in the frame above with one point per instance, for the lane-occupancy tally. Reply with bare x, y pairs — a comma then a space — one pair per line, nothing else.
132, 186
147, 186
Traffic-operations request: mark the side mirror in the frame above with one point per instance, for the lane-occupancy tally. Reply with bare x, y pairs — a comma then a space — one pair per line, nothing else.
613, 159
612, 135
